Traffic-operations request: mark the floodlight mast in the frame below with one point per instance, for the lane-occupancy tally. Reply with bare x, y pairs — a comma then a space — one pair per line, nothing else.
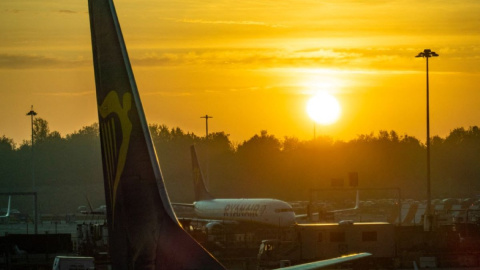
427, 224
32, 114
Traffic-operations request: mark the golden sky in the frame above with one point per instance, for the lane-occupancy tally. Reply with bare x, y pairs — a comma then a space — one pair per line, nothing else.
251, 64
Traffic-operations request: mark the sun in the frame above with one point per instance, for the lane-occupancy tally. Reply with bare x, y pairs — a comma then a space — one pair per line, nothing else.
323, 108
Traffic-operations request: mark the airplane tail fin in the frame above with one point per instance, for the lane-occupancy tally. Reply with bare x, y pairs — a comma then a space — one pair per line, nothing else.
7, 214
90, 208
357, 200
201, 191
144, 232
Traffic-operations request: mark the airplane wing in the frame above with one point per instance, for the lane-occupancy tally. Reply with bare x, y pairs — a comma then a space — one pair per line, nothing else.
329, 262
357, 203
184, 204
206, 221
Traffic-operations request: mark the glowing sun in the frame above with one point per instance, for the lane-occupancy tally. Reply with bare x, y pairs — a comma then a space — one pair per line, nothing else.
323, 108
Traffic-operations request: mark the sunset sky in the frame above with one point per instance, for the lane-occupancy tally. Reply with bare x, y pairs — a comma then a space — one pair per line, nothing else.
251, 64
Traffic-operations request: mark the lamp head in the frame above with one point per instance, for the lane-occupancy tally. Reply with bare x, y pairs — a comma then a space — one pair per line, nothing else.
427, 53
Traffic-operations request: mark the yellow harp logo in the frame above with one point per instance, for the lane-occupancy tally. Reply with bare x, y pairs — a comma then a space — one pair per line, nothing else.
115, 152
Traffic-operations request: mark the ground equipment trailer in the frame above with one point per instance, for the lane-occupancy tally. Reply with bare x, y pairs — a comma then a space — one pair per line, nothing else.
312, 242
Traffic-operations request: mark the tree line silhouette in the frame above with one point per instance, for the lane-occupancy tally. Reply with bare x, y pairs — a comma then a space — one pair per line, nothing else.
67, 170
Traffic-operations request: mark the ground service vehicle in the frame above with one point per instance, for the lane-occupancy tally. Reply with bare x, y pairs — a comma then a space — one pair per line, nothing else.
73, 263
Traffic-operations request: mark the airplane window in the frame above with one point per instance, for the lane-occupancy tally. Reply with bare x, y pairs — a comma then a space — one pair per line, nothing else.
283, 210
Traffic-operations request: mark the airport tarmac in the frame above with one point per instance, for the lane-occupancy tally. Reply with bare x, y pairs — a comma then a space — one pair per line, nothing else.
50, 227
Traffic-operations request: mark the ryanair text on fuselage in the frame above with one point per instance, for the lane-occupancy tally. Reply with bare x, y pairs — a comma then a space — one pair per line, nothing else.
244, 210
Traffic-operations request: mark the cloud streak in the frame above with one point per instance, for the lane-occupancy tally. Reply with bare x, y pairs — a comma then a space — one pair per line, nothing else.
66, 11
25, 61
253, 23
392, 59
67, 93
460, 59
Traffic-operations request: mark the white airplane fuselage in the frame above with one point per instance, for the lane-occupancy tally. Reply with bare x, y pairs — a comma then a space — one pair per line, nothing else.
261, 211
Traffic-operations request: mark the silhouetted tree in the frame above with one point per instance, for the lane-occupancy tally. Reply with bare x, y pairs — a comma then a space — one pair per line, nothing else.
456, 162
6, 145
258, 158
68, 169
7, 158
40, 129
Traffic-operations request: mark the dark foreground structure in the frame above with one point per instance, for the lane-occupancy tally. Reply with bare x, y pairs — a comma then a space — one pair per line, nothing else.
32, 251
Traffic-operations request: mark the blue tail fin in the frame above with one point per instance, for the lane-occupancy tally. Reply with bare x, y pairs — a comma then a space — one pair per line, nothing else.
201, 191
144, 232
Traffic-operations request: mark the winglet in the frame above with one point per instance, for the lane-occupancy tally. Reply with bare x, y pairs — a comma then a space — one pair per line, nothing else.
201, 191
357, 205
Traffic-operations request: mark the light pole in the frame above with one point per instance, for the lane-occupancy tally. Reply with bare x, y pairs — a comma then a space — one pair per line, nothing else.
427, 223
206, 142
206, 123
32, 113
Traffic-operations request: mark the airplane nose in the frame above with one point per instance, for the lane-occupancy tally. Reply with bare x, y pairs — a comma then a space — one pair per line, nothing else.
287, 220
